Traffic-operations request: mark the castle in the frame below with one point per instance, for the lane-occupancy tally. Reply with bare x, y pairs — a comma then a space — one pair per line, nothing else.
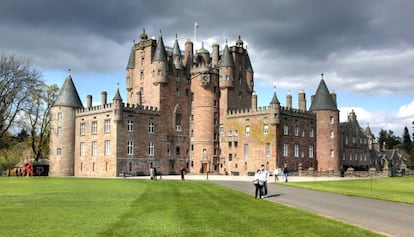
191, 110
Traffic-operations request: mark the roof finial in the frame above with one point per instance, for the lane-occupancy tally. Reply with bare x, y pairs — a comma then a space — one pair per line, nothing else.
69, 72
274, 87
117, 85
160, 32
226, 40
322, 76
176, 36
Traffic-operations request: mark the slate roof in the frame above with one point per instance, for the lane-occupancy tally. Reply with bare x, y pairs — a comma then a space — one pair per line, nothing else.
160, 54
131, 60
68, 95
323, 99
249, 67
227, 58
275, 100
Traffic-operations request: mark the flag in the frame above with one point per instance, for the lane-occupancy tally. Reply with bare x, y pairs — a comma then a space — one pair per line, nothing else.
196, 24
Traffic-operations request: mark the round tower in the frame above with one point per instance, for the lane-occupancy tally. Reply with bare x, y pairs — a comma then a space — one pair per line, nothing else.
327, 129
62, 135
159, 64
226, 69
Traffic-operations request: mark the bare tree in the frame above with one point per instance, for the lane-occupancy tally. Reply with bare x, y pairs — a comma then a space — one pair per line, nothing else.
17, 80
36, 119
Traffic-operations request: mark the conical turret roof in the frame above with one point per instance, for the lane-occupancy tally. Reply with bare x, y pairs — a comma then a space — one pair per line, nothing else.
117, 95
249, 67
322, 100
68, 95
176, 48
160, 54
131, 60
227, 58
275, 100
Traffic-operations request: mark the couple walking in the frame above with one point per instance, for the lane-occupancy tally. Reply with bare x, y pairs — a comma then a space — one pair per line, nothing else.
260, 182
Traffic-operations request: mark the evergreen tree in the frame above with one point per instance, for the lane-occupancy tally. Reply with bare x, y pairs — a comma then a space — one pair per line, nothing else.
407, 142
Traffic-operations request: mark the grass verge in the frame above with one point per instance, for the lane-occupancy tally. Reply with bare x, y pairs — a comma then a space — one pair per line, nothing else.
396, 189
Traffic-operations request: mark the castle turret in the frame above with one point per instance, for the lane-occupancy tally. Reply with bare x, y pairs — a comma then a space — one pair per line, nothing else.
188, 54
254, 101
117, 105
226, 69
62, 135
215, 55
249, 73
104, 96
177, 55
159, 63
89, 101
275, 108
129, 69
327, 129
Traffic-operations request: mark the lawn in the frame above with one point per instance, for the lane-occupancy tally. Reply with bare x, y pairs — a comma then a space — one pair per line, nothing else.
130, 207
396, 189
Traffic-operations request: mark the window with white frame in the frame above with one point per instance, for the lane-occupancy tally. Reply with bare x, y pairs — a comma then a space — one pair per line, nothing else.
332, 134
296, 131
94, 127
94, 148
296, 150
59, 131
151, 127
82, 149
331, 120
107, 150
265, 129
221, 128
285, 150
130, 148
311, 132
107, 126
130, 126
285, 130
331, 153
247, 131
82, 129
58, 151
310, 151
59, 116
151, 149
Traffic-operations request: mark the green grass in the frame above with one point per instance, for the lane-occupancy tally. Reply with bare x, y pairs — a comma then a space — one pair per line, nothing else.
397, 189
130, 207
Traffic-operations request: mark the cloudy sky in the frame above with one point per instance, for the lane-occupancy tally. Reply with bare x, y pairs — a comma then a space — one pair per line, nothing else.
365, 49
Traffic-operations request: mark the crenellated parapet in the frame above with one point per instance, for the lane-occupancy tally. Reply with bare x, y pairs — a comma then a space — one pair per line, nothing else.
109, 107
248, 111
297, 112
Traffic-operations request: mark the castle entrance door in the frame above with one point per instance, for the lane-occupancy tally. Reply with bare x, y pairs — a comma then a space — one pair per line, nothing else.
204, 168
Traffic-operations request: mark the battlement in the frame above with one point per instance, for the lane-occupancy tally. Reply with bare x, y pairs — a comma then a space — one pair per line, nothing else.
248, 111
297, 112
109, 107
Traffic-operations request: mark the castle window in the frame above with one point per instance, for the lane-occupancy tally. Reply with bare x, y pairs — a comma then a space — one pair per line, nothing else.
151, 149
58, 151
346, 140
141, 76
142, 62
285, 150
247, 131
311, 132
177, 91
265, 129
177, 77
267, 149
94, 148
178, 122
130, 148
236, 143
230, 143
177, 151
332, 134
331, 120
107, 126
187, 92
221, 128
230, 157
94, 127
331, 153
59, 116
246, 150
130, 126
107, 150
192, 133
227, 78
296, 150
296, 131
82, 149
285, 130
151, 127
311, 151
82, 129
59, 131
240, 95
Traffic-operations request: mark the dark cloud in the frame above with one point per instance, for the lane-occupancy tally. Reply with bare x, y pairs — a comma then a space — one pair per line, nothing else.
351, 41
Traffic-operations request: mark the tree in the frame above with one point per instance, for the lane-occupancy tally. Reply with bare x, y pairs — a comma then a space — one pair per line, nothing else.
17, 80
387, 139
36, 119
407, 143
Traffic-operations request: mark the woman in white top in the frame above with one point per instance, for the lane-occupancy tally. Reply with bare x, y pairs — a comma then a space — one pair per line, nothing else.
258, 183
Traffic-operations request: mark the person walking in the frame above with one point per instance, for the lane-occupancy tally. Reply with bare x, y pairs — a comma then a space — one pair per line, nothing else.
258, 184
286, 172
182, 172
264, 175
276, 174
